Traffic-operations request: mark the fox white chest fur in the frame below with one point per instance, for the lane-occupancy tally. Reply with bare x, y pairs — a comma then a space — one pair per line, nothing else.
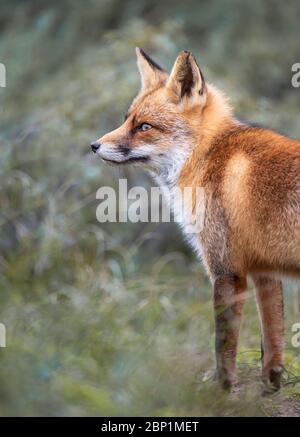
190, 219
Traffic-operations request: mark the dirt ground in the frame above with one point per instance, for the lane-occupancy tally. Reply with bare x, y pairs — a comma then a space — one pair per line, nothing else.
284, 403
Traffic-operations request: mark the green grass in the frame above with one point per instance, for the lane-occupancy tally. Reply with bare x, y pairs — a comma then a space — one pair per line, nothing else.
116, 319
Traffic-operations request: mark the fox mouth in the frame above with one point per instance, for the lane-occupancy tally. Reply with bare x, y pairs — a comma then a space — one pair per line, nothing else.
131, 160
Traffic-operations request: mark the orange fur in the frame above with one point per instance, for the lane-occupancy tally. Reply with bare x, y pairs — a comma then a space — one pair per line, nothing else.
251, 180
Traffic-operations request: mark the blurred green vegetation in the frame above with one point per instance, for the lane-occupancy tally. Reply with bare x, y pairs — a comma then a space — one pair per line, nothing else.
116, 319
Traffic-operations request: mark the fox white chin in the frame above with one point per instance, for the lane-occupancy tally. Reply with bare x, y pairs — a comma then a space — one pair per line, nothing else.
130, 160
116, 158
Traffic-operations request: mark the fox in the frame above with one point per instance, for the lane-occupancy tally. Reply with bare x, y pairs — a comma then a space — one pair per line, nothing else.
183, 130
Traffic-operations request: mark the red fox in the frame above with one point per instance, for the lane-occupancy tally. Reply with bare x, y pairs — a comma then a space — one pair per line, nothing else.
183, 130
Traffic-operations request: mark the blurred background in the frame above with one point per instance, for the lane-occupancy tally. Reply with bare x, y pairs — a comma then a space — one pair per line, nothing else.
116, 319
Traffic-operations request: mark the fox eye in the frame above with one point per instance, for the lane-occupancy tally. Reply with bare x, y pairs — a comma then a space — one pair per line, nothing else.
144, 126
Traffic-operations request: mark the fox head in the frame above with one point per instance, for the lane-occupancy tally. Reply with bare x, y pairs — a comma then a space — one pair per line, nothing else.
164, 119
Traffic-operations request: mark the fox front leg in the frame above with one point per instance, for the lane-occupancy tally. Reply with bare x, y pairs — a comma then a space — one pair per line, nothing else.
269, 296
229, 297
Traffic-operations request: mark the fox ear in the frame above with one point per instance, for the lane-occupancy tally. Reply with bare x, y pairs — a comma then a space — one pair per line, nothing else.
186, 80
151, 73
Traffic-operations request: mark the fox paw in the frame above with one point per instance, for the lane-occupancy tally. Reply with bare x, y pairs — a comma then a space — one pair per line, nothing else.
225, 379
272, 377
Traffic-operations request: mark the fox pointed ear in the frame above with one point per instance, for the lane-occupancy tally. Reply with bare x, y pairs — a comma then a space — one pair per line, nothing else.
152, 74
186, 80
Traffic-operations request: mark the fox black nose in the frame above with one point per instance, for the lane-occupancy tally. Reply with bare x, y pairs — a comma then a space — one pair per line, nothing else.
95, 145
